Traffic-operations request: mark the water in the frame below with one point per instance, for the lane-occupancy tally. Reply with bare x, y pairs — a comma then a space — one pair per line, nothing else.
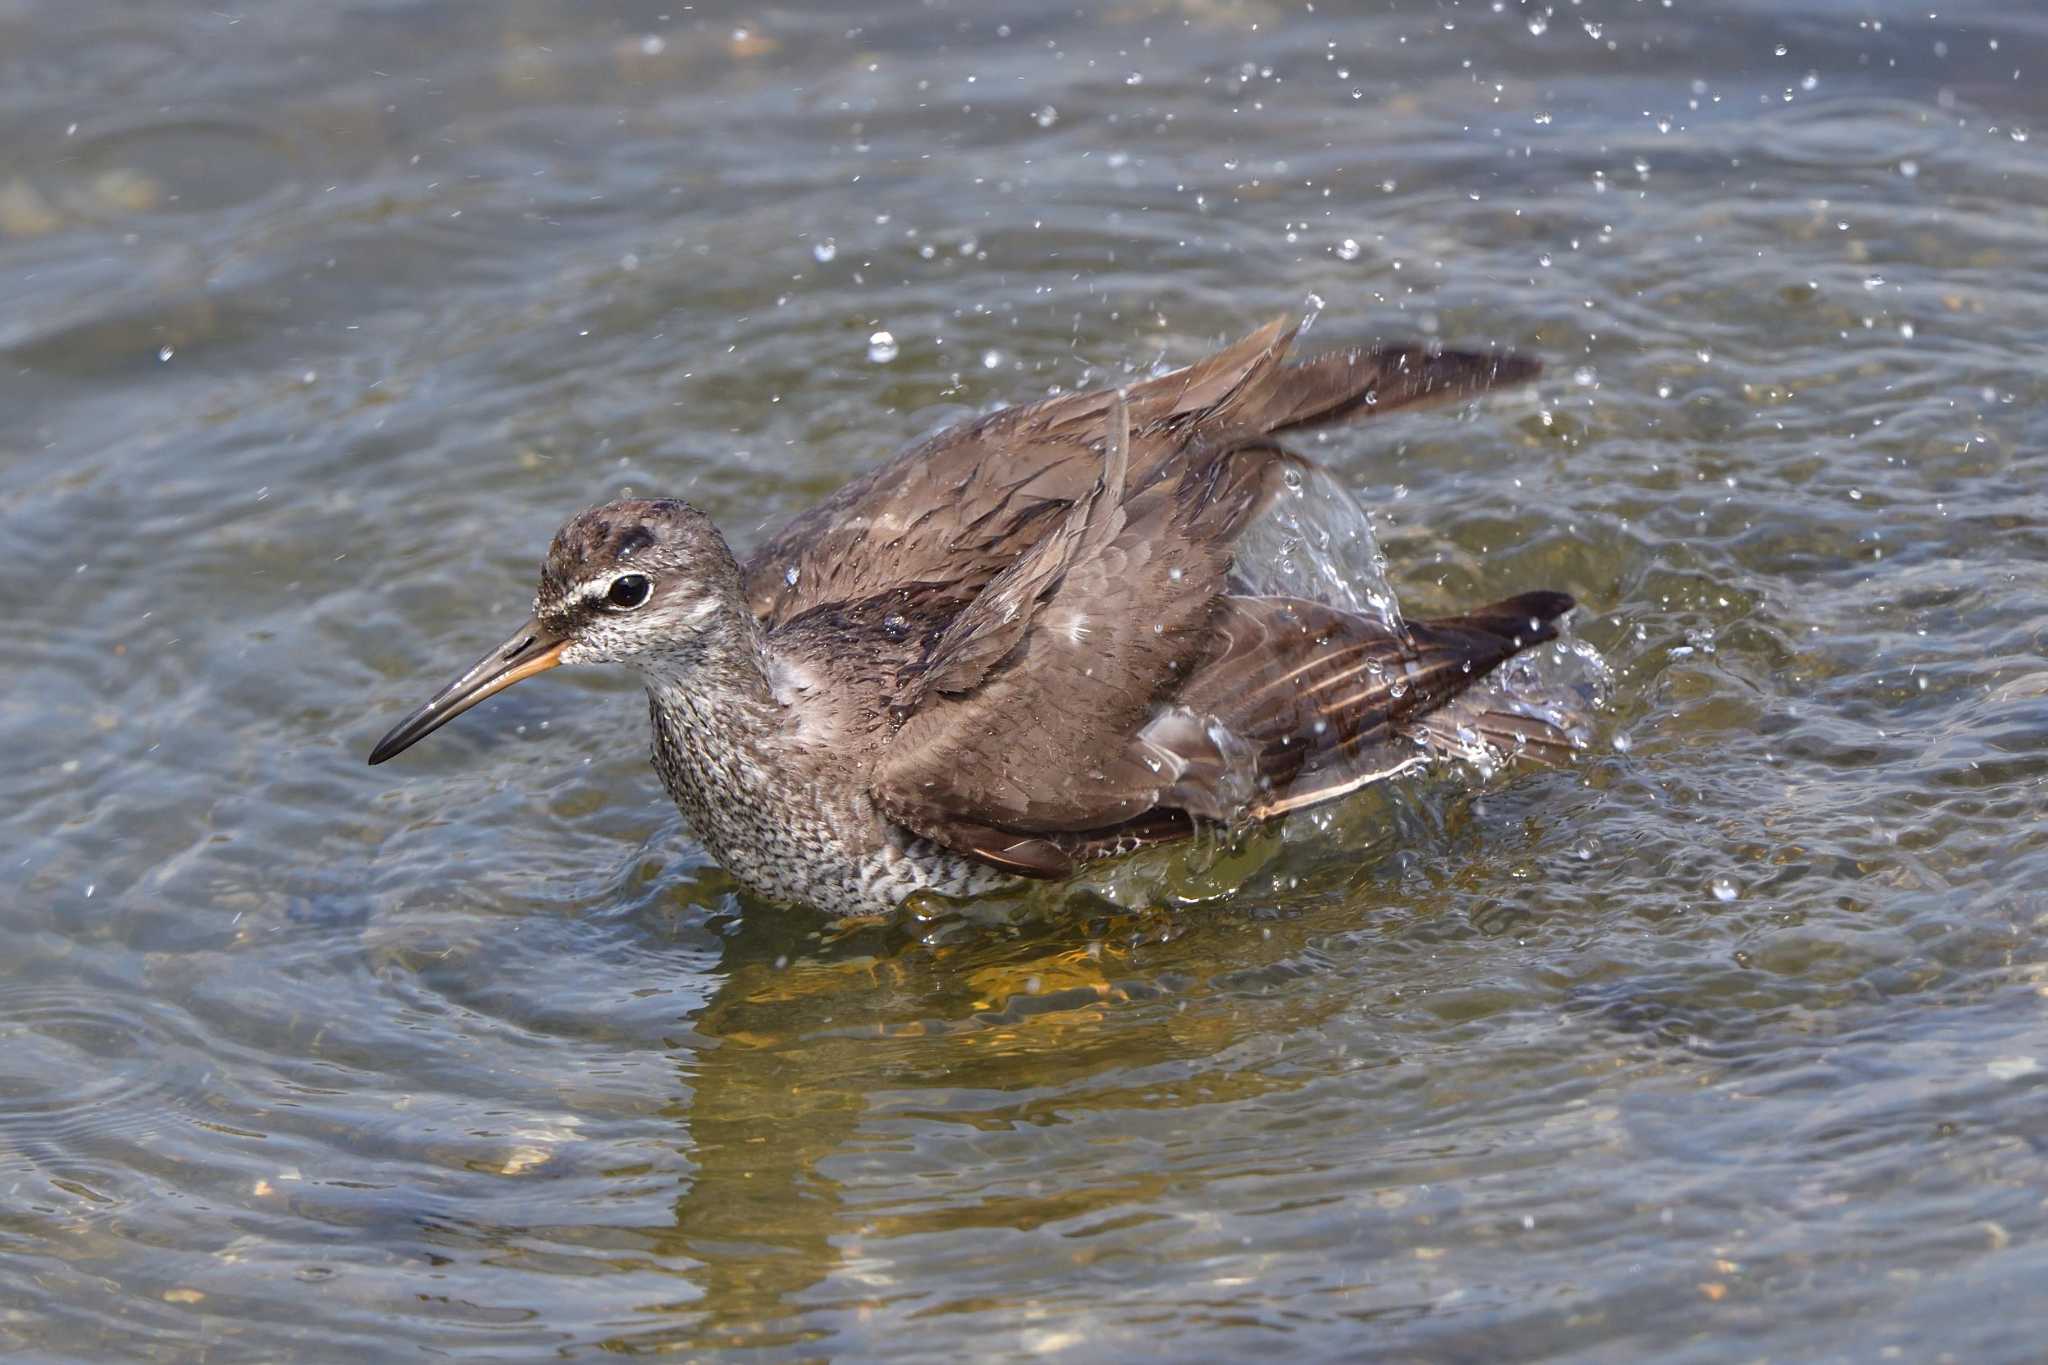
319, 318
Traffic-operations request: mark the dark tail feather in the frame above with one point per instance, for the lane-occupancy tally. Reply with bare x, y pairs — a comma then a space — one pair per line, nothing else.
1251, 389
1347, 385
1523, 620
1487, 725
1316, 702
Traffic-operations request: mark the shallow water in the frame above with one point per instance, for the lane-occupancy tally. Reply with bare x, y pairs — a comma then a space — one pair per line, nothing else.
319, 317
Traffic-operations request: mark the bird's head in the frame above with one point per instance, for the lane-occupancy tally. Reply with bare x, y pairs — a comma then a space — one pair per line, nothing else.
640, 582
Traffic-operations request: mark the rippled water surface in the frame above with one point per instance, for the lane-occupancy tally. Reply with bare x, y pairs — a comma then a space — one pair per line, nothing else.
318, 317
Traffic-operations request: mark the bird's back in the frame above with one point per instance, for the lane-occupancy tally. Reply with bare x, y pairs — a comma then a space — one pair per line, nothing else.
1030, 625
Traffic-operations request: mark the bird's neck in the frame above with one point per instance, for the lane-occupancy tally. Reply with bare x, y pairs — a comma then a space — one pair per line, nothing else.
724, 747
717, 675
717, 724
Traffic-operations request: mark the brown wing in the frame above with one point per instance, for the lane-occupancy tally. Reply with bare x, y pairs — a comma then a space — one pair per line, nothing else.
1035, 734
1289, 703
995, 623
962, 506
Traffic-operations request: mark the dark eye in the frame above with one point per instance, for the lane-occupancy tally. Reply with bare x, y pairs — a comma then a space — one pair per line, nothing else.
628, 591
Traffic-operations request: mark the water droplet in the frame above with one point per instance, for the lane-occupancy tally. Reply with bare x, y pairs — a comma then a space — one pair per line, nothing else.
1046, 116
1909, 168
991, 359
791, 574
1539, 24
882, 348
1347, 250
165, 354
654, 45
824, 250
1724, 890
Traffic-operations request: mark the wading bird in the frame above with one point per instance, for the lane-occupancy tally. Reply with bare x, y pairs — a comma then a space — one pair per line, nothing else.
1022, 644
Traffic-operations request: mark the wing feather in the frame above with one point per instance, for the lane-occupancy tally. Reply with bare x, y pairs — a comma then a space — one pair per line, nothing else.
960, 506
1038, 736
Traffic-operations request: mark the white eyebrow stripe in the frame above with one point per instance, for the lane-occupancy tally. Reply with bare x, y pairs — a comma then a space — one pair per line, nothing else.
595, 588
597, 592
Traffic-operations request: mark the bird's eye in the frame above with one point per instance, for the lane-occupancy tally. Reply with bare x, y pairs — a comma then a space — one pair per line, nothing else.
628, 591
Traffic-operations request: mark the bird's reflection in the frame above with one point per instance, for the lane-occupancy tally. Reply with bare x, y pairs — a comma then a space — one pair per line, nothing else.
772, 1093
807, 1029
785, 1056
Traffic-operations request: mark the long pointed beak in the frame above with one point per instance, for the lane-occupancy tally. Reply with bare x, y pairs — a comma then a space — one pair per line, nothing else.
532, 649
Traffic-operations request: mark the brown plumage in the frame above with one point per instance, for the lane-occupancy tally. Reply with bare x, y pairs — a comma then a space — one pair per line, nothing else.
1021, 644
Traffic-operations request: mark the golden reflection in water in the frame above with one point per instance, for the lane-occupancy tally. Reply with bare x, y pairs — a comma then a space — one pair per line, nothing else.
795, 1066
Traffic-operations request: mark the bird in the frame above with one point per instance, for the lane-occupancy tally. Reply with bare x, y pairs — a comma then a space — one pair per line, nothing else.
1025, 644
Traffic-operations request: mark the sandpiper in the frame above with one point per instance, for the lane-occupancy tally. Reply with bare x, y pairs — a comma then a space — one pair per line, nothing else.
1022, 645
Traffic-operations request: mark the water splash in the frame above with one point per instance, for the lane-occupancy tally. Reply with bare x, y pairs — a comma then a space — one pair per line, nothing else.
1316, 542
